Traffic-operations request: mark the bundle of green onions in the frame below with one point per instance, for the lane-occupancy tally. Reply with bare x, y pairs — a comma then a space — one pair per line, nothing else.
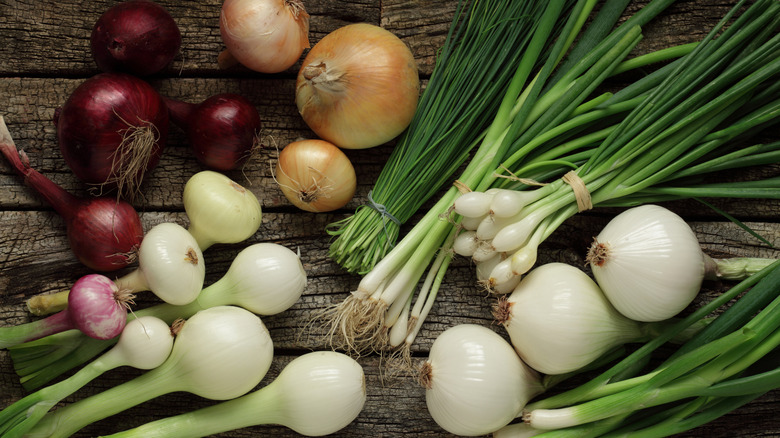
682, 122
457, 104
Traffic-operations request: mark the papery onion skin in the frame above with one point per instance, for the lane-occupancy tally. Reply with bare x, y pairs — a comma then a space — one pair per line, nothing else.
92, 123
358, 87
267, 36
475, 382
653, 266
558, 320
138, 37
315, 175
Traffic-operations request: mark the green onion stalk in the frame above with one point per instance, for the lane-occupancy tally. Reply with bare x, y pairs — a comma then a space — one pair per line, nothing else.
380, 313
730, 362
458, 103
721, 93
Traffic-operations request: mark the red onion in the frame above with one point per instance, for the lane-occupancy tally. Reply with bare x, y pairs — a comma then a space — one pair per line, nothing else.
222, 130
111, 130
137, 36
96, 307
104, 233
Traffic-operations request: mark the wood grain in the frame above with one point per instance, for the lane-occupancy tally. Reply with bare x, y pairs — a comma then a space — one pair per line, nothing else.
44, 55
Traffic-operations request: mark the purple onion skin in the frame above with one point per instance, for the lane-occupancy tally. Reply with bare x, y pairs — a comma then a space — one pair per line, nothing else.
91, 123
137, 36
222, 130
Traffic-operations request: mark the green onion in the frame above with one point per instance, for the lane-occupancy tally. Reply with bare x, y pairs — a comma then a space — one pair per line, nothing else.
364, 320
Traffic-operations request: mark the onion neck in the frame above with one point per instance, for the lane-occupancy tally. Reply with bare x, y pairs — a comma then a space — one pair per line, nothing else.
63, 202
179, 111
18, 334
325, 78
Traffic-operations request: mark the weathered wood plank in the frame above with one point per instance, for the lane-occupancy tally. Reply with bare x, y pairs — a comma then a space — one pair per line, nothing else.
35, 258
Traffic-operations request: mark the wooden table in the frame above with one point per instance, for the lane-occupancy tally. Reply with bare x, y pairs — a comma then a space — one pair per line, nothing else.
44, 55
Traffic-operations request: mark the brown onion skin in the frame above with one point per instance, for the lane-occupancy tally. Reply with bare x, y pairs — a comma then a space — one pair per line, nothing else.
91, 122
222, 130
137, 36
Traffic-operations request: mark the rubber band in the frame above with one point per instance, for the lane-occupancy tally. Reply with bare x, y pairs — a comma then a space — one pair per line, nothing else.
382, 210
581, 193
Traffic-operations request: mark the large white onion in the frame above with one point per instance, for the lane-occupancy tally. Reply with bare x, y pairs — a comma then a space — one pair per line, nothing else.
559, 320
358, 86
475, 382
648, 262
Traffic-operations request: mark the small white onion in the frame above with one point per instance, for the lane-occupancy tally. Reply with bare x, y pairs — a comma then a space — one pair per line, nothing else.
219, 209
465, 243
485, 267
264, 278
475, 382
648, 262
145, 343
471, 223
170, 264
473, 204
559, 320
508, 203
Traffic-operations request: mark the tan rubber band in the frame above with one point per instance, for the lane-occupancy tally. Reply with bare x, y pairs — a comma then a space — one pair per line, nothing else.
581, 193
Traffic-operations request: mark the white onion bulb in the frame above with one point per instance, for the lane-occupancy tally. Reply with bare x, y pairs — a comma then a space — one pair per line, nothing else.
219, 209
170, 264
559, 320
648, 262
475, 382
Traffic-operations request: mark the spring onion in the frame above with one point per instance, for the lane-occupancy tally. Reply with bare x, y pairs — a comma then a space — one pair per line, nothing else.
363, 320
316, 394
145, 343
264, 278
220, 353
668, 126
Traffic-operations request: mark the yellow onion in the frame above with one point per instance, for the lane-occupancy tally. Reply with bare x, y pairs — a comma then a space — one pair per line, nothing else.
267, 36
358, 87
315, 175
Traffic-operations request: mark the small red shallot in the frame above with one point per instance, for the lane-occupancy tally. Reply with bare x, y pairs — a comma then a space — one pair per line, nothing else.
222, 131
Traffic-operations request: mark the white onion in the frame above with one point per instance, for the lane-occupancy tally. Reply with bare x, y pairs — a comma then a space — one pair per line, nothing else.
170, 264
475, 382
559, 320
219, 209
145, 343
648, 262
473, 204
